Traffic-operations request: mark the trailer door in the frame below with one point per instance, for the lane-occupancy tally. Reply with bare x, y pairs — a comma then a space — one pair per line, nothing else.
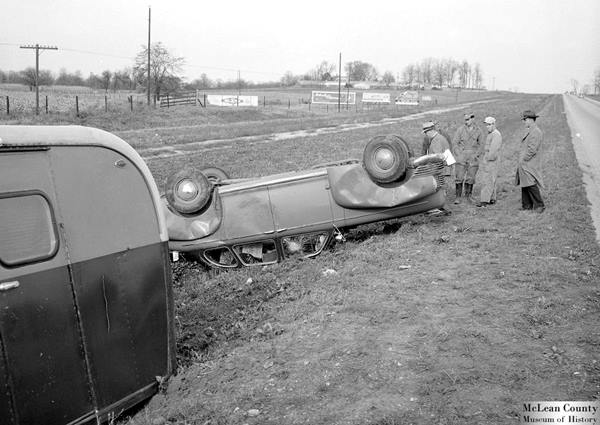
39, 333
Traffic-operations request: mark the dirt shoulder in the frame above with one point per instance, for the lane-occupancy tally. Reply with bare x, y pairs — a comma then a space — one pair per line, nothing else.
454, 320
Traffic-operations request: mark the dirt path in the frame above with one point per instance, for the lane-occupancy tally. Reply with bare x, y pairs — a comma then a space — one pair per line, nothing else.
216, 144
583, 117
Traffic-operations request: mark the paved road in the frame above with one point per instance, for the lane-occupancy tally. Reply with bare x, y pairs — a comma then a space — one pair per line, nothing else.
583, 116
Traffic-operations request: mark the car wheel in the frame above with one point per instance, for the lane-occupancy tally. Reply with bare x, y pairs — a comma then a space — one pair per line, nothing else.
188, 190
215, 174
386, 158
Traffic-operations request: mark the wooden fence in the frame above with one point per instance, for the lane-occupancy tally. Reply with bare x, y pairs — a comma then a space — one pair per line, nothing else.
186, 98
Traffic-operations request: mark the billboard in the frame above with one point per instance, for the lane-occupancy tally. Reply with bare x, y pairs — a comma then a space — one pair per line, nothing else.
231, 100
331, 97
408, 98
376, 98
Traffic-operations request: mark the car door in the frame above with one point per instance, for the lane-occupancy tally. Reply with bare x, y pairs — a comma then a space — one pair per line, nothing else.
301, 204
43, 359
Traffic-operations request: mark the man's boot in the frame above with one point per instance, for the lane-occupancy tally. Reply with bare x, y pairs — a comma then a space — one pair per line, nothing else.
468, 190
458, 193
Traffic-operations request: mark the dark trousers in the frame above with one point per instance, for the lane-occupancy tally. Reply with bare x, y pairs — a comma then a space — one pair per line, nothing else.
531, 198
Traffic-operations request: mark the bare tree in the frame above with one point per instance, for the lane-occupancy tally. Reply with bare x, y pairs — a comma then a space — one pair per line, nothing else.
477, 76
426, 70
388, 78
105, 79
122, 80
361, 71
164, 68
27, 77
322, 72
575, 85
464, 73
408, 75
289, 79
438, 73
450, 67
597, 81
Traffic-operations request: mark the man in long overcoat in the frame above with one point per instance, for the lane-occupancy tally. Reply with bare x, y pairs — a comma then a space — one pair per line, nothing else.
488, 167
528, 176
467, 145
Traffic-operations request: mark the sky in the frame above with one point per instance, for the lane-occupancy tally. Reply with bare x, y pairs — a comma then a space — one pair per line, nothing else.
536, 46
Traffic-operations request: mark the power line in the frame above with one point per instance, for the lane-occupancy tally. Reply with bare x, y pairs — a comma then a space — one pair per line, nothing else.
97, 53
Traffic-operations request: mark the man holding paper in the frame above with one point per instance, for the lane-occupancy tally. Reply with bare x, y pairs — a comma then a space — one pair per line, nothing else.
439, 144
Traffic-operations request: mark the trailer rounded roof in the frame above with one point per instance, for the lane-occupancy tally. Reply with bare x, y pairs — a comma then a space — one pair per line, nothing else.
74, 135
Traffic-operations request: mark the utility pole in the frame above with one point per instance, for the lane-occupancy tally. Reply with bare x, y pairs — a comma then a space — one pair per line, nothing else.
37, 48
149, 15
340, 83
239, 84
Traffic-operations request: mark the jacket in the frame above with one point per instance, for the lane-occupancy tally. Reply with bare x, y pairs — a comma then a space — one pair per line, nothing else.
439, 144
468, 144
530, 159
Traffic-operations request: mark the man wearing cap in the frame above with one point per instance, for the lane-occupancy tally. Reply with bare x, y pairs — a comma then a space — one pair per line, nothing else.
438, 144
468, 144
488, 168
528, 176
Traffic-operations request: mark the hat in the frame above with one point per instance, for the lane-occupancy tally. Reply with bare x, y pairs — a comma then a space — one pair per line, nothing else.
529, 114
489, 120
428, 125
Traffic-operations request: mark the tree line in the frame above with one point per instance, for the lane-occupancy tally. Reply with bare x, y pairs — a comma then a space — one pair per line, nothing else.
166, 70
445, 72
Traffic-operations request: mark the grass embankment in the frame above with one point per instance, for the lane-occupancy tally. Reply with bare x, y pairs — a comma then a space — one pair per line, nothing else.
454, 320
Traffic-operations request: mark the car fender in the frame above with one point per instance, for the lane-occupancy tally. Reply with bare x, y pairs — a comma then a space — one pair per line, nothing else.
196, 226
351, 187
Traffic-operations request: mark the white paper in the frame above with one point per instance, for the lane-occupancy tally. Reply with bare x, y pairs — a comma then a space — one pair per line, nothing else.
448, 157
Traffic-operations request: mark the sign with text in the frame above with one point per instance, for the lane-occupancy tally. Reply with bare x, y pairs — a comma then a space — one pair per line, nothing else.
561, 412
376, 98
231, 100
408, 98
331, 97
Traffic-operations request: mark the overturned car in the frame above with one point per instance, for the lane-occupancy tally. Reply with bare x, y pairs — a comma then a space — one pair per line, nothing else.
230, 223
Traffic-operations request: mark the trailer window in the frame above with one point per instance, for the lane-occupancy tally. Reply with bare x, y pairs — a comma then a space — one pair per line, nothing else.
27, 229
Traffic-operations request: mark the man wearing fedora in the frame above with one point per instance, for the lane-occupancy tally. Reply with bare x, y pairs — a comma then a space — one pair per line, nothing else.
528, 176
438, 144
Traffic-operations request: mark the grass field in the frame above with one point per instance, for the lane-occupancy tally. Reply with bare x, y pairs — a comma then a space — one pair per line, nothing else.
447, 320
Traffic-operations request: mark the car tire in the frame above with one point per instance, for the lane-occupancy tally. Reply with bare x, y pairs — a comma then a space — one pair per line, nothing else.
215, 174
192, 197
386, 158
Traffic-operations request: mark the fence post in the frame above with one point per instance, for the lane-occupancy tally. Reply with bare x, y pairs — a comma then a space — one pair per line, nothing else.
131, 103
289, 104
168, 103
264, 101
7, 105
77, 105
309, 103
328, 107
105, 103
46, 104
